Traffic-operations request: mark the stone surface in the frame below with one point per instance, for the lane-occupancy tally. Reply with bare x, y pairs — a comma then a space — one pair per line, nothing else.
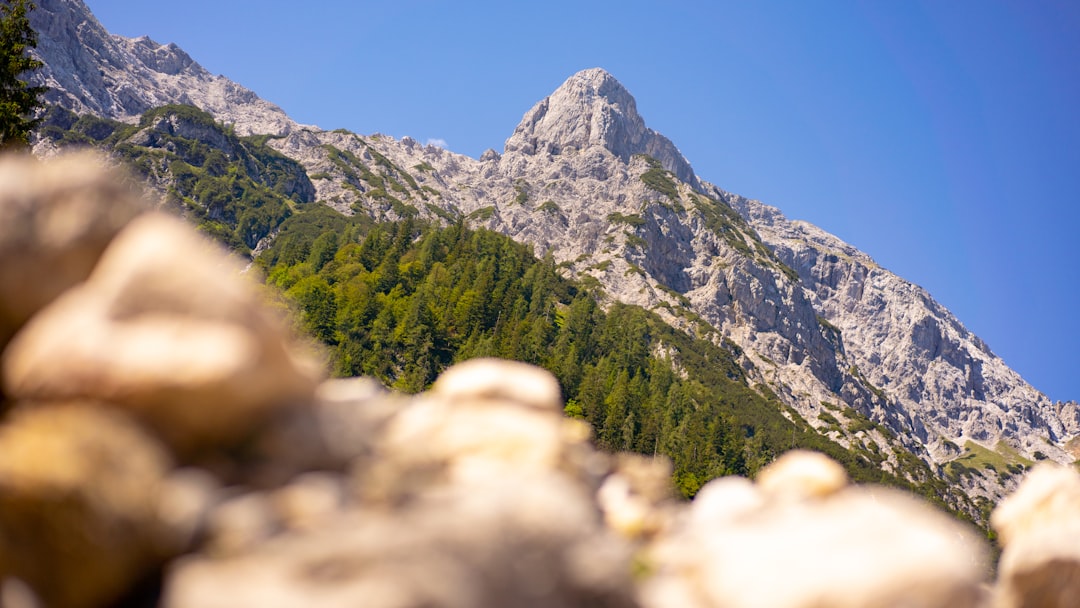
743, 545
55, 220
592, 109
1039, 529
936, 374
801, 474
526, 541
501, 380
78, 489
190, 349
456, 437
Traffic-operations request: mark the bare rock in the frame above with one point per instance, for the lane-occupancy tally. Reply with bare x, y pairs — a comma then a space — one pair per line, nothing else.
240, 523
56, 218
530, 541
637, 499
502, 380
78, 498
592, 108
310, 500
166, 328
482, 419
185, 499
1039, 527
87, 69
352, 413
853, 546
802, 474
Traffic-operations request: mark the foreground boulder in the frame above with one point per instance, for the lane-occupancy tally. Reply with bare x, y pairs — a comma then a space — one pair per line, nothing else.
79, 488
801, 538
167, 329
536, 540
55, 220
471, 497
1039, 528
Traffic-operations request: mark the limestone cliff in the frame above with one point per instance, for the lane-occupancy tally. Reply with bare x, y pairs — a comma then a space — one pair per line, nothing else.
87, 69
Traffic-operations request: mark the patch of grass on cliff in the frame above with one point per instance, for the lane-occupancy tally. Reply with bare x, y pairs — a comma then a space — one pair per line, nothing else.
634, 220
549, 207
1002, 459
660, 180
482, 214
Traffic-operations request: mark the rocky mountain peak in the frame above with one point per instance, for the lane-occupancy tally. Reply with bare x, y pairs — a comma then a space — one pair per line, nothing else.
592, 108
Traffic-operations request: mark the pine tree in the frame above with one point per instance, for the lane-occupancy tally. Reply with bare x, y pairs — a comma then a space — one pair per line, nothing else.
18, 100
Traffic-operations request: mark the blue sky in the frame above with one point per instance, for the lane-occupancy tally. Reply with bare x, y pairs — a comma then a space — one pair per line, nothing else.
942, 138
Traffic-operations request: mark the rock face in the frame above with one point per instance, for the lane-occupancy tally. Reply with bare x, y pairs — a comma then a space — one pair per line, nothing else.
947, 381
88, 69
593, 109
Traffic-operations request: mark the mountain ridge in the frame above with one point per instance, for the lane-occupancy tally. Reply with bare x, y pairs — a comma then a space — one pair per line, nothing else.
88, 69
582, 178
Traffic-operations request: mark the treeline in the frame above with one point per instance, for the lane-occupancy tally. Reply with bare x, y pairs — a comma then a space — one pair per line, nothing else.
403, 301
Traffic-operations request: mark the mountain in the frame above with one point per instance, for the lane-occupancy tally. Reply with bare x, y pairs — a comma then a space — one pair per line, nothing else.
868, 359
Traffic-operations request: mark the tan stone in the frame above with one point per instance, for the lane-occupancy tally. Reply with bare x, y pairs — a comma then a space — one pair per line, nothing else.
482, 419
533, 540
167, 328
78, 498
1039, 528
500, 379
637, 498
55, 220
743, 545
802, 474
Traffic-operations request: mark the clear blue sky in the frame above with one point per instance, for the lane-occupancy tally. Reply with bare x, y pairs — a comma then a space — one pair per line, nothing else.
942, 138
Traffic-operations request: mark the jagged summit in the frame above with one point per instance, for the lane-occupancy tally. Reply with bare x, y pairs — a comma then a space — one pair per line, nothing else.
592, 108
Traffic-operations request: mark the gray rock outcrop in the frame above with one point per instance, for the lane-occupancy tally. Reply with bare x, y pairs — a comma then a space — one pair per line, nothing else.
934, 370
593, 109
87, 69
